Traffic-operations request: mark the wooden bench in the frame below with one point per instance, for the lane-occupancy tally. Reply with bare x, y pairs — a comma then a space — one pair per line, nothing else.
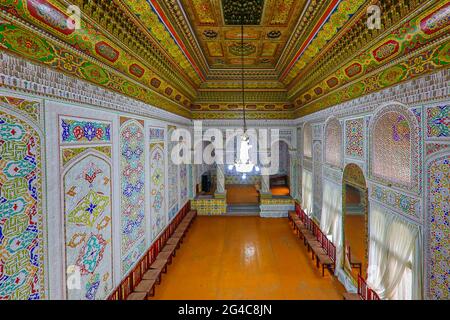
159, 264
147, 287
137, 296
170, 248
174, 241
152, 274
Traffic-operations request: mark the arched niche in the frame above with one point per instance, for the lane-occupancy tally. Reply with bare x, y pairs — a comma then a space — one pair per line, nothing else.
333, 142
280, 181
87, 206
393, 147
355, 221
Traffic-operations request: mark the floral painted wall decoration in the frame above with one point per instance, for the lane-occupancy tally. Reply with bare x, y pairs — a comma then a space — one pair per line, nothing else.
132, 165
88, 225
438, 121
157, 181
173, 177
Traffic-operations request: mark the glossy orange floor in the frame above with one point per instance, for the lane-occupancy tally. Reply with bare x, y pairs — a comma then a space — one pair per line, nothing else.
242, 194
244, 258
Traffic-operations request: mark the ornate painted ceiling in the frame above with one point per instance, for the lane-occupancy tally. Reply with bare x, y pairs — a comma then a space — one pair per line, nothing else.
184, 55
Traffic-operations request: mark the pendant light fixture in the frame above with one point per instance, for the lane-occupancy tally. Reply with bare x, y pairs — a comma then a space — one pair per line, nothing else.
243, 164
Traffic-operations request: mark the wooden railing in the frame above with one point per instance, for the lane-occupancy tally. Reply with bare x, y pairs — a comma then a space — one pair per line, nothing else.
131, 280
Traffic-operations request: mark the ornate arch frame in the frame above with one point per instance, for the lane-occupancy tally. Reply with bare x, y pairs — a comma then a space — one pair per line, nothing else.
414, 151
362, 186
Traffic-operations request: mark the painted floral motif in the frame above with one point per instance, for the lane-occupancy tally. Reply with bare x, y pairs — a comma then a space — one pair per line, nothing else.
87, 212
173, 179
438, 121
84, 131
132, 164
354, 138
157, 192
439, 229
183, 183
21, 217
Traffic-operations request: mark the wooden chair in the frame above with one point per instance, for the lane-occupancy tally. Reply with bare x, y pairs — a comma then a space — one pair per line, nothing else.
354, 262
328, 260
372, 295
361, 293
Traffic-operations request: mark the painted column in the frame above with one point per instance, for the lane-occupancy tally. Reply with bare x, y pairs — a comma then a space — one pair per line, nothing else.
265, 183
293, 187
220, 183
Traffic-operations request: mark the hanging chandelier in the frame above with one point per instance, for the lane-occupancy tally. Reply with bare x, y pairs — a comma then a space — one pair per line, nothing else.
243, 164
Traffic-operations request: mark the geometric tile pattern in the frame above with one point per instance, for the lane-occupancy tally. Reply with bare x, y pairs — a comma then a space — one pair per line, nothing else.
354, 138
22, 247
438, 263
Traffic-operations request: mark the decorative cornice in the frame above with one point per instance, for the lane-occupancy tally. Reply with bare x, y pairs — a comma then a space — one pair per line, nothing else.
23, 76
429, 88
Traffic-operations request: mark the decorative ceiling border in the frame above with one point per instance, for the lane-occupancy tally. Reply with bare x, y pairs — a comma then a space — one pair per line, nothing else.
161, 14
226, 115
116, 22
31, 44
26, 77
428, 89
408, 36
413, 66
331, 8
178, 13
92, 43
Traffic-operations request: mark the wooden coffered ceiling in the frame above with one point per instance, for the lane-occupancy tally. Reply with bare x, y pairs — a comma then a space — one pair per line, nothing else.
301, 56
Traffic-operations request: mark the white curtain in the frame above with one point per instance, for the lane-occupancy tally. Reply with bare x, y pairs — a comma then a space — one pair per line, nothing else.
392, 251
331, 218
307, 196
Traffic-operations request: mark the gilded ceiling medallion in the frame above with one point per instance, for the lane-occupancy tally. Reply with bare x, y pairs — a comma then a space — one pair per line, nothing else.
245, 49
210, 34
274, 34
